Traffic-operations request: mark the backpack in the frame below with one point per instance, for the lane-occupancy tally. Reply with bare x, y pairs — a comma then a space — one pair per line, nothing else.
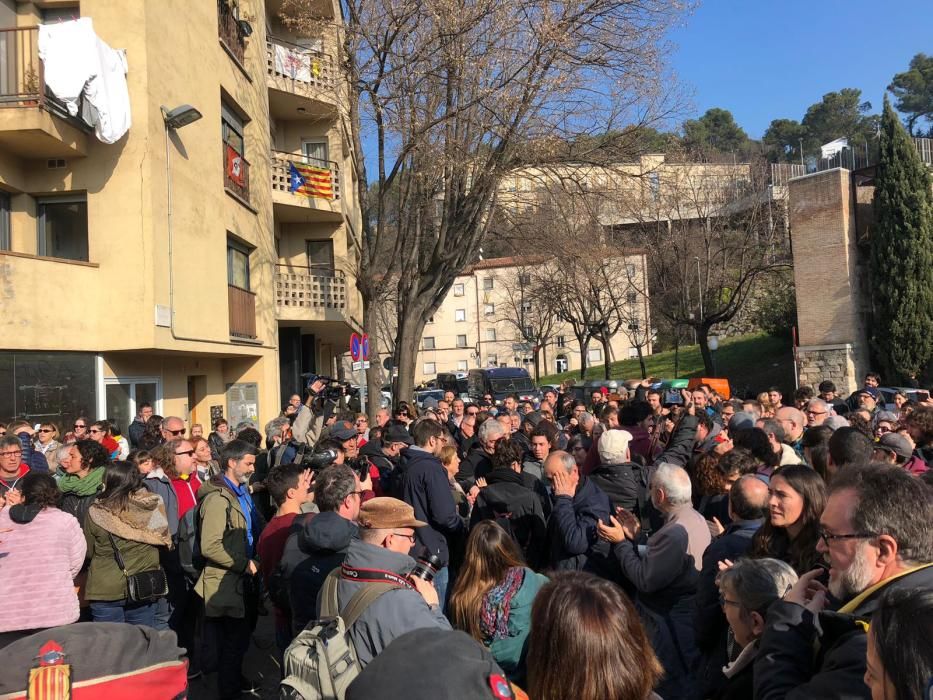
321, 662
189, 541
278, 584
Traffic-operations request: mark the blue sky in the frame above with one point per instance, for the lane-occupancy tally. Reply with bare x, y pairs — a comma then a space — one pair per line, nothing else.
766, 59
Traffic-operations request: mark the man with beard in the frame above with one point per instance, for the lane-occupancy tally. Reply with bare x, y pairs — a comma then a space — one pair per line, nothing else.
876, 536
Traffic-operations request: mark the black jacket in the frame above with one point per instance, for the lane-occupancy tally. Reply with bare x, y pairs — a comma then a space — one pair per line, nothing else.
510, 500
386, 465
425, 486
788, 667
135, 431
309, 555
625, 484
679, 449
476, 464
572, 537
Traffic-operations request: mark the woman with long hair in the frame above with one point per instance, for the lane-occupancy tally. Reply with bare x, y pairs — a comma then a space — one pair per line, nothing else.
47, 443
83, 478
792, 530
126, 523
588, 643
152, 435
900, 656
492, 598
205, 464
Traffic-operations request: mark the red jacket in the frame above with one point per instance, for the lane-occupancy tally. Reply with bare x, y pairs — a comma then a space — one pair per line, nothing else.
187, 492
7, 484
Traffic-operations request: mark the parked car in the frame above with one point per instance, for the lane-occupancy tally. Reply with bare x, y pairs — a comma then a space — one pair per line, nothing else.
888, 392
421, 396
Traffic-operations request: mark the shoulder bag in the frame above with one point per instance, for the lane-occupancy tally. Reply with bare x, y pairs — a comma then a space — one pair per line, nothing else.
144, 587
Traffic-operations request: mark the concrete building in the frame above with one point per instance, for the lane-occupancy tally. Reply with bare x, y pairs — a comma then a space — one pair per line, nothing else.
155, 268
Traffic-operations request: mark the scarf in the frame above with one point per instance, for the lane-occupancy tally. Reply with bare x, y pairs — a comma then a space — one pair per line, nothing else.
87, 486
494, 617
142, 520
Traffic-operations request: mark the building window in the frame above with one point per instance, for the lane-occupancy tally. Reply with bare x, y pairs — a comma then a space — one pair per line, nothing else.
561, 341
526, 307
487, 283
492, 361
462, 366
491, 334
458, 289
524, 279
489, 309
459, 314
428, 342
654, 182
632, 352
429, 368
63, 227
236, 168
595, 355
461, 341
316, 152
4, 221
631, 297
238, 265
630, 270
529, 332
430, 319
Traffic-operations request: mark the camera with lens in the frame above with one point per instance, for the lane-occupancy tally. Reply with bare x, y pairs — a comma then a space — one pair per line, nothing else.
360, 465
333, 390
316, 460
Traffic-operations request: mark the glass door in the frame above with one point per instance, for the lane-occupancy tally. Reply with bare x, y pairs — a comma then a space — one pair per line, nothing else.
124, 396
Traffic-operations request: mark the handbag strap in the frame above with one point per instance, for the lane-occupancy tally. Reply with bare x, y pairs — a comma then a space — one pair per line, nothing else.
117, 555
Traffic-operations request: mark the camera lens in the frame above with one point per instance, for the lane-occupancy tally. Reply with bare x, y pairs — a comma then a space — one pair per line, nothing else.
426, 567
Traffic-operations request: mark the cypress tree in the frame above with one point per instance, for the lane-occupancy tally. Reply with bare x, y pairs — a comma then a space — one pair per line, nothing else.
901, 254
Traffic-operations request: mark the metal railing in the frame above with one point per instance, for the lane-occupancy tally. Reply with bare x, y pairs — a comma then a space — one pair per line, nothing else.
230, 30
310, 287
304, 68
242, 312
22, 79
236, 174
282, 176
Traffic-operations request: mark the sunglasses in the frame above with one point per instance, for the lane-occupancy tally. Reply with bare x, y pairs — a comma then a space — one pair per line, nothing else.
185, 452
78, 425
46, 430
95, 430
181, 431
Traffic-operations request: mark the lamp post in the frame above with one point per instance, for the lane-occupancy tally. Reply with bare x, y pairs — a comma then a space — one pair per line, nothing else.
713, 343
699, 287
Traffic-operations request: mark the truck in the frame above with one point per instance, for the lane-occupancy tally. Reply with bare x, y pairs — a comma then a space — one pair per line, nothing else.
500, 382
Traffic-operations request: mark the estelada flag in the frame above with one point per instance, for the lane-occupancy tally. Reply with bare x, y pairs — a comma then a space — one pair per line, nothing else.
235, 170
310, 181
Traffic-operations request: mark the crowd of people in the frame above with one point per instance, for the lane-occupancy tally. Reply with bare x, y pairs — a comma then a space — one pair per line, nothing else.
634, 546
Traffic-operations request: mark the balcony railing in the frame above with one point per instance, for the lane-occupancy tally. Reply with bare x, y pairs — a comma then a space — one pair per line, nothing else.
230, 30
310, 288
316, 178
304, 68
236, 172
242, 305
22, 80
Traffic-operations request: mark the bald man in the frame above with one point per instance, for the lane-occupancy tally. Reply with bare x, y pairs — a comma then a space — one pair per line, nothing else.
748, 507
794, 422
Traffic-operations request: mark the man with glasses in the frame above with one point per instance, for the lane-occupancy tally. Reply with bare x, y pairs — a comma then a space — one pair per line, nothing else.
875, 535
384, 453
173, 428
26, 433
817, 412
12, 470
426, 487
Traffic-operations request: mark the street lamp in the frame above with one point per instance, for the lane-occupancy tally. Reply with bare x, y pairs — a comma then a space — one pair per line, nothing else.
713, 343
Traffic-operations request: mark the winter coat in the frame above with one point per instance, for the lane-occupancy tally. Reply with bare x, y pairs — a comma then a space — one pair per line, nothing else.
310, 554
135, 431
509, 500
475, 465
797, 661
396, 612
679, 448
222, 530
625, 484
31, 456
158, 483
426, 488
186, 496
384, 465
510, 651
572, 536
77, 504
6, 484
50, 451
39, 557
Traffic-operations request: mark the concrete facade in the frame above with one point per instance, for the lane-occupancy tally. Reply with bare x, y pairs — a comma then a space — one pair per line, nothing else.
178, 299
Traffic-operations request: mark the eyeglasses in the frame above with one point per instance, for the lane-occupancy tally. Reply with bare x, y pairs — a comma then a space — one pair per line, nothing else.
14, 453
95, 430
410, 538
723, 602
46, 430
185, 452
828, 537
356, 493
472, 413
78, 425
816, 413
361, 422
883, 429
180, 431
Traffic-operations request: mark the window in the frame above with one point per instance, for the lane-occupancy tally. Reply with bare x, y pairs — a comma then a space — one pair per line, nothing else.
430, 319
4, 221
526, 307
63, 227
459, 315
632, 352
654, 182
529, 332
429, 368
316, 152
458, 290
492, 361
487, 283
236, 168
428, 342
490, 334
462, 366
461, 341
238, 265
595, 355
524, 279
232, 129
631, 297
630, 271
489, 309
561, 341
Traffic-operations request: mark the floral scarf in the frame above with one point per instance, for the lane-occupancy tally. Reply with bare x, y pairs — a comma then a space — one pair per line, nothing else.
494, 617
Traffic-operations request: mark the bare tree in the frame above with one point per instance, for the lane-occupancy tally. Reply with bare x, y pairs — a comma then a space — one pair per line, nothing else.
449, 96
528, 309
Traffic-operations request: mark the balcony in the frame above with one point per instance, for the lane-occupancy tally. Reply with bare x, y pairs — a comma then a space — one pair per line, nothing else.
231, 32
305, 189
33, 124
242, 313
236, 173
318, 294
296, 75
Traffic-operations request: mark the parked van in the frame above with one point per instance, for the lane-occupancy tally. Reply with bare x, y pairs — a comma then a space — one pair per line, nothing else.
453, 381
500, 382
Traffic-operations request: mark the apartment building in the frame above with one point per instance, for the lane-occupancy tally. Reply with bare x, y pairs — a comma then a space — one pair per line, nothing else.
200, 261
478, 323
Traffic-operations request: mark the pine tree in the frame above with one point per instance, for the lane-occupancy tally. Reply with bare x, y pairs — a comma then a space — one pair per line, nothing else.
902, 254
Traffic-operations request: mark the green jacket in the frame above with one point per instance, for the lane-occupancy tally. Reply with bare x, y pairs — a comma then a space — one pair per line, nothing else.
222, 531
510, 652
105, 580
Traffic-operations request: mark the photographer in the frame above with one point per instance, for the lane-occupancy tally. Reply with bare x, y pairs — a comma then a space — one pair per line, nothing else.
318, 410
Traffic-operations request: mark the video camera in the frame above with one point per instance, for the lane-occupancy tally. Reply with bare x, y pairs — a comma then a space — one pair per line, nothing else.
333, 390
321, 459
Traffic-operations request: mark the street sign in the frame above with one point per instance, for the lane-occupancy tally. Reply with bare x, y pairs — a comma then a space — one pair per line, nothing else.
366, 364
357, 366
355, 347
364, 346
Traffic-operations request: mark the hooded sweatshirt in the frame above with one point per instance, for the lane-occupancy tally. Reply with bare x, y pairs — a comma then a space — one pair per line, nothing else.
7, 483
